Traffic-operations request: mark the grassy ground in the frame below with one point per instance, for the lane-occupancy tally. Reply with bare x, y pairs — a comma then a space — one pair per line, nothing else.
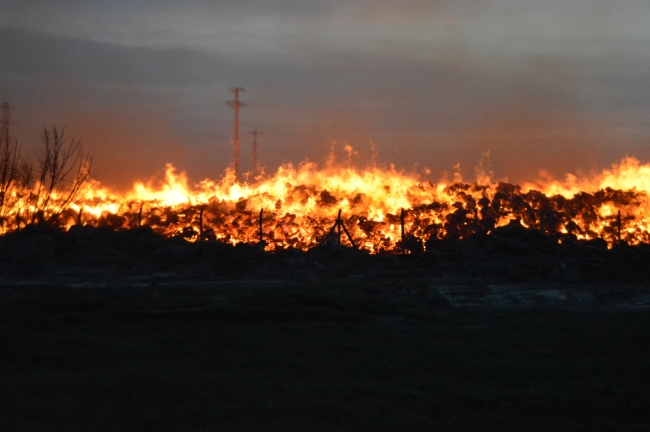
319, 357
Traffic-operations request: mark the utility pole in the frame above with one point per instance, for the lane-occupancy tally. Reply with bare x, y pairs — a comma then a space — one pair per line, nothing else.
256, 162
6, 121
236, 104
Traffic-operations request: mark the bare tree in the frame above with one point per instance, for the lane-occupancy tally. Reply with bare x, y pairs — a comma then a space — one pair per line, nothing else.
61, 169
13, 176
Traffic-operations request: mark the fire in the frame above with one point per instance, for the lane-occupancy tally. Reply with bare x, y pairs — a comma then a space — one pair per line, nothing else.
300, 205
628, 175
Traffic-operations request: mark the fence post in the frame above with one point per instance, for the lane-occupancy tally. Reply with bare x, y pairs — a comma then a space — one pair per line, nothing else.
401, 219
618, 223
140, 215
261, 228
338, 227
201, 224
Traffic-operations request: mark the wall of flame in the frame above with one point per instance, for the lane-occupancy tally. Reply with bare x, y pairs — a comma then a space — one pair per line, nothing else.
300, 205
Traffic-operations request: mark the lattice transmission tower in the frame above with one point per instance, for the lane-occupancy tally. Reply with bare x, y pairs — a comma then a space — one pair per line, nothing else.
236, 104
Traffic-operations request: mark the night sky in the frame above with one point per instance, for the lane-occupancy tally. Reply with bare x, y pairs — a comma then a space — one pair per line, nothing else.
557, 85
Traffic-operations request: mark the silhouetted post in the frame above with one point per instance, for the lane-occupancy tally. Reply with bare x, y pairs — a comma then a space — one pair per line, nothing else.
618, 223
261, 227
81, 210
339, 222
336, 229
201, 224
541, 221
347, 233
18, 220
140, 215
236, 104
401, 219
475, 220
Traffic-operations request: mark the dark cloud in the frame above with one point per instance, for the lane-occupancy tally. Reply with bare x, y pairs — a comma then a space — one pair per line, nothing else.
244, 9
428, 83
55, 58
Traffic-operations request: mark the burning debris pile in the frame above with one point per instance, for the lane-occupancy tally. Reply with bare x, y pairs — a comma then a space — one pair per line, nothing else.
382, 210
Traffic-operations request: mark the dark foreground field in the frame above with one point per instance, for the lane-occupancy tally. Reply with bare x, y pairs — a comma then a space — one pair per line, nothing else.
338, 355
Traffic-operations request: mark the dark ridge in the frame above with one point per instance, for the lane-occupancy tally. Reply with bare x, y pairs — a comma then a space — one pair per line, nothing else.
507, 254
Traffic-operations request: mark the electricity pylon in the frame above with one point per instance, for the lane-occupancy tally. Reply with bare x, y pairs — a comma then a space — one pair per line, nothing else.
236, 104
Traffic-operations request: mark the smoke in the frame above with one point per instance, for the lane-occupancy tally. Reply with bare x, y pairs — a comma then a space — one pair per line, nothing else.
424, 96
537, 123
483, 170
256, 162
129, 141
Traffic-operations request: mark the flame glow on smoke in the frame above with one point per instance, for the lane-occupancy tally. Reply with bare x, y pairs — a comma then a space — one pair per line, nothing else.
300, 205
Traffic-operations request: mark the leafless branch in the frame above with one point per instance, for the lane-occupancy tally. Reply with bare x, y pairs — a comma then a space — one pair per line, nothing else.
13, 183
62, 169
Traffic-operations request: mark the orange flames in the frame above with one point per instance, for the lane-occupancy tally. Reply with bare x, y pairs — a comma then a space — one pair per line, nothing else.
300, 205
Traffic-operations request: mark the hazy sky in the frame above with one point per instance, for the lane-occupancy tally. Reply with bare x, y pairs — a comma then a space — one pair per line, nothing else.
557, 85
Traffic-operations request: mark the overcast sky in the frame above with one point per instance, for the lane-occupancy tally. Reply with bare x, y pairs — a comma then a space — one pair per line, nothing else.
557, 85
